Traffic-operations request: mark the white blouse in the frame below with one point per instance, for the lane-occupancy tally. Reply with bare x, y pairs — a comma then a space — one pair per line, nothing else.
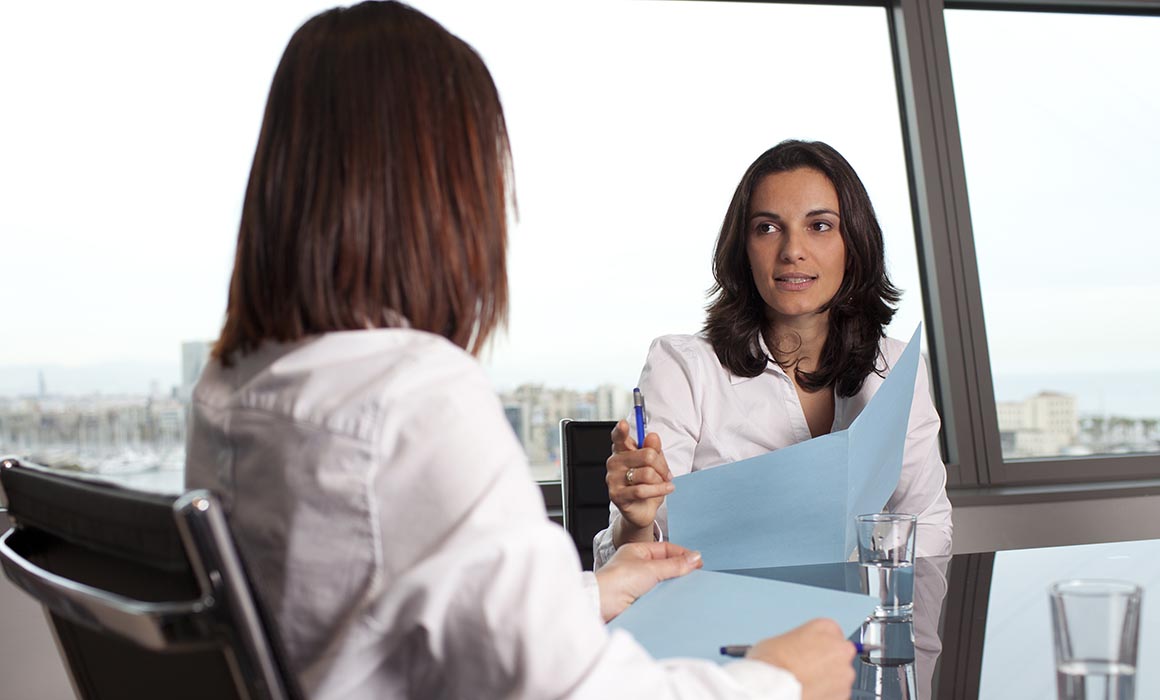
385, 513
706, 417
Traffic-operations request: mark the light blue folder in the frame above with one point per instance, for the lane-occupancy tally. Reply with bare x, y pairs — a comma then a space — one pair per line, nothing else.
797, 505
695, 615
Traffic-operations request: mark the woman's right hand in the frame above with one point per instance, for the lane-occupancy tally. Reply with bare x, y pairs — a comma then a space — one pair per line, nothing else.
817, 654
637, 498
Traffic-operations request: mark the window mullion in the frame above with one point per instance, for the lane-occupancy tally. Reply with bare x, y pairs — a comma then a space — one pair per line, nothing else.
959, 356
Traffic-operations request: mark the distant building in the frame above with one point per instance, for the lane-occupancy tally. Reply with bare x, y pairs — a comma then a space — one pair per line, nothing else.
194, 355
612, 402
1045, 424
514, 416
535, 411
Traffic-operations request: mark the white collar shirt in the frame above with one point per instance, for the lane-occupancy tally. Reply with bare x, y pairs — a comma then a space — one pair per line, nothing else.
706, 416
388, 522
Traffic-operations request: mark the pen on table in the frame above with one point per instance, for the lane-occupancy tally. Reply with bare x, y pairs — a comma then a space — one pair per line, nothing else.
638, 407
740, 650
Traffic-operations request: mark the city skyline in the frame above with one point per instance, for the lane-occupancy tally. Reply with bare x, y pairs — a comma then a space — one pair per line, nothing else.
1127, 393
136, 434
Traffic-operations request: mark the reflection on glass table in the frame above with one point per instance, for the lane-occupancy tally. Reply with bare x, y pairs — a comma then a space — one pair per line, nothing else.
1017, 660
981, 625
904, 667
982, 622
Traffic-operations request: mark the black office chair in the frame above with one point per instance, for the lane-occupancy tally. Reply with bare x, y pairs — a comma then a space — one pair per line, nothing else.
584, 448
146, 594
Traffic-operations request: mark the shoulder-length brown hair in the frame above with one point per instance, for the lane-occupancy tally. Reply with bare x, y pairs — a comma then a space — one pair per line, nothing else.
859, 311
379, 187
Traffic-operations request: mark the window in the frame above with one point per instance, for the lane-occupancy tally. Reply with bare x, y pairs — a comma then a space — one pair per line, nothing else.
1057, 114
127, 153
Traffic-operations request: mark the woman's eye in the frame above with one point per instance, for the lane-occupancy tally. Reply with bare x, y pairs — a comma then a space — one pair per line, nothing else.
766, 227
821, 226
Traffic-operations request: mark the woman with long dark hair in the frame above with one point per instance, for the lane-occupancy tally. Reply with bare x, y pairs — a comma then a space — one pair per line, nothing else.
794, 346
378, 496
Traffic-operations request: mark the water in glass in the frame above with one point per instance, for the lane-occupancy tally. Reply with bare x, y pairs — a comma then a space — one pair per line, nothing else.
893, 584
1095, 680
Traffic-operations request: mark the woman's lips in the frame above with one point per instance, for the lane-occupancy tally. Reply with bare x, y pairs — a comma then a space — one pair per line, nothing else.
794, 283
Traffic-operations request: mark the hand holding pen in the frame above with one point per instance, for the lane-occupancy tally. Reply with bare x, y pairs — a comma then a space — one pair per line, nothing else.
817, 654
638, 478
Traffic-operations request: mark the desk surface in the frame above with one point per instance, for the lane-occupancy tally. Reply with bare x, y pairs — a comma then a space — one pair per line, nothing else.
989, 614
982, 624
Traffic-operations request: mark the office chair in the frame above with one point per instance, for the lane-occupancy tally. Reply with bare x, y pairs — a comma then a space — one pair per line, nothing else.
145, 593
585, 446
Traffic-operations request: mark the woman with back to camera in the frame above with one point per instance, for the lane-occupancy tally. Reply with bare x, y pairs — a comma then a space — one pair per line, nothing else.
377, 494
794, 346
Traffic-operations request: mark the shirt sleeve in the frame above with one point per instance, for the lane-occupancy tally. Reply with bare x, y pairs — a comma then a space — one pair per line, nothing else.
669, 385
488, 600
922, 483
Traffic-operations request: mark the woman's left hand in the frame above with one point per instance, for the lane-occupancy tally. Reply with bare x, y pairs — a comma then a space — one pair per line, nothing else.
636, 568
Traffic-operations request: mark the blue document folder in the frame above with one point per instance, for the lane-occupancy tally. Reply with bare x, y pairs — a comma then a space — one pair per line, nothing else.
797, 505
695, 615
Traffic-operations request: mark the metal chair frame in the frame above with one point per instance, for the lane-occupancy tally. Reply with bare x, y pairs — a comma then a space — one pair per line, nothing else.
224, 615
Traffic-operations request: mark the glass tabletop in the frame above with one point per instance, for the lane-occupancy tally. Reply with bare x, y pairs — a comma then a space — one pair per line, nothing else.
982, 626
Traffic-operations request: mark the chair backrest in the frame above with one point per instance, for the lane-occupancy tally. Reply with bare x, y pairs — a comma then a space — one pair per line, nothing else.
584, 448
146, 594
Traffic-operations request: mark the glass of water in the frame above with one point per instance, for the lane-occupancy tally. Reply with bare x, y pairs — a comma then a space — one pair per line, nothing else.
886, 551
1097, 628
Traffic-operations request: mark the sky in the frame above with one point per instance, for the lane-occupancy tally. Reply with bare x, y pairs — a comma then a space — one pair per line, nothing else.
123, 164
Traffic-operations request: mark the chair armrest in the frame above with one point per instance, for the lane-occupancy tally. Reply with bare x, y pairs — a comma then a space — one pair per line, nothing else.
167, 626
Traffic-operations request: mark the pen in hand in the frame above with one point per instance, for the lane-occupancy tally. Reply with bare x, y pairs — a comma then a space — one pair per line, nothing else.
740, 650
638, 407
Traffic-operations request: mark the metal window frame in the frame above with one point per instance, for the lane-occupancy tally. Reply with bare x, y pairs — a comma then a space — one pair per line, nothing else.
949, 266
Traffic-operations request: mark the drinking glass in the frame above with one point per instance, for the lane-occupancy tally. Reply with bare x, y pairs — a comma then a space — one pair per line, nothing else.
886, 551
1097, 628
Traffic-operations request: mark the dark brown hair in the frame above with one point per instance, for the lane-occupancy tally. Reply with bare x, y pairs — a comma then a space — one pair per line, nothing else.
859, 311
379, 187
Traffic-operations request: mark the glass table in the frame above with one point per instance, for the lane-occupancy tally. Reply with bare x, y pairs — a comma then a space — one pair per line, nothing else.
982, 625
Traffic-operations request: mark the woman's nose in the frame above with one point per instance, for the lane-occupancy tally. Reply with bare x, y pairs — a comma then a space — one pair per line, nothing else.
792, 248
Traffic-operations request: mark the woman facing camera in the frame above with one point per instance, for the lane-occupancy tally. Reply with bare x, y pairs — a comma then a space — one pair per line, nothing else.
378, 496
794, 346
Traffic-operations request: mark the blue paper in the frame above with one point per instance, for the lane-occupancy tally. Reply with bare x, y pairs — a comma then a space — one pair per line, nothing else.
695, 615
797, 505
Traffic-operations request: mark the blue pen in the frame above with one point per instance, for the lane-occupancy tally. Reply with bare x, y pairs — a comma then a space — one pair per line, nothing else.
638, 407
740, 650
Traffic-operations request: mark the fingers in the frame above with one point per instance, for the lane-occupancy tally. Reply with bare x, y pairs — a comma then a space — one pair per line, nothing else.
621, 440
646, 491
668, 551
652, 441
817, 654
825, 627
664, 560
637, 479
646, 484
651, 457
673, 567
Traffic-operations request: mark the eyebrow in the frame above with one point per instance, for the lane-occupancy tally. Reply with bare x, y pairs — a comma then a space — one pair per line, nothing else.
777, 217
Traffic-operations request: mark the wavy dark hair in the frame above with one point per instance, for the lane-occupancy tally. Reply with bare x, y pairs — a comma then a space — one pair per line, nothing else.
379, 187
859, 311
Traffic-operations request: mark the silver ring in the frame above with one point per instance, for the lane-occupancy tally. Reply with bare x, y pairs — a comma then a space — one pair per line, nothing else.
628, 476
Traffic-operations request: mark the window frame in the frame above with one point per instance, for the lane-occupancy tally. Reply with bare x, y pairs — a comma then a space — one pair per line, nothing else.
948, 264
